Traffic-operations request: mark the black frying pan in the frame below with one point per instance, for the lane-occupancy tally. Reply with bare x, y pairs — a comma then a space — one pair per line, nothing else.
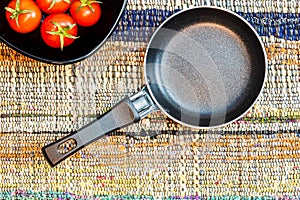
204, 67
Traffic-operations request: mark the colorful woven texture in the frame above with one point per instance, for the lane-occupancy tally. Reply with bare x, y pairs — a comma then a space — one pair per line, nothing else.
256, 157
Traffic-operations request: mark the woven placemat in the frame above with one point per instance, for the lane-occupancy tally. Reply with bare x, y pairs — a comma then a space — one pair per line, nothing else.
257, 156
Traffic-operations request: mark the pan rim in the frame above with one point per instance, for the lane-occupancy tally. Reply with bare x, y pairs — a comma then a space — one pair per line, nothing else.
214, 8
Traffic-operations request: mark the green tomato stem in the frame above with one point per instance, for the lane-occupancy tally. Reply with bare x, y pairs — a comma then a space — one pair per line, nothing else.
54, 1
52, 4
16, 12
62, 33
87, 3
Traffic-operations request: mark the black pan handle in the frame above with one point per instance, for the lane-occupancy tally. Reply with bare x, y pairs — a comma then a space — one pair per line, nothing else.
125, 113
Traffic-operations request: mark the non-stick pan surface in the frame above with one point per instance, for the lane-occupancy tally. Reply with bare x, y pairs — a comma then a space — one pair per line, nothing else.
205, 67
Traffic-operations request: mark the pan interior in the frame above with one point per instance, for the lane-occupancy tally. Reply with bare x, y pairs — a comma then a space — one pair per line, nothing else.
204, 70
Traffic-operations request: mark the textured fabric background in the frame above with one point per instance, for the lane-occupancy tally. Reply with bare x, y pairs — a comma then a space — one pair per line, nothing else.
256, 157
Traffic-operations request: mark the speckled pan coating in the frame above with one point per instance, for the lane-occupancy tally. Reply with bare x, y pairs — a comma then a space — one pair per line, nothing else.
205, 67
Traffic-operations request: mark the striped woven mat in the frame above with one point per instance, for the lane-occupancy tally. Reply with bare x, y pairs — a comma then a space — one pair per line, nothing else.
256, 157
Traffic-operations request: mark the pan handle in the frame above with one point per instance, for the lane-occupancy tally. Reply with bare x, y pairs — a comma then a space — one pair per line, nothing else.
125, 113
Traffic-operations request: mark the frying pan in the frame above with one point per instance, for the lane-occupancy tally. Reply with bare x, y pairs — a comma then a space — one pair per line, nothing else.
204, 67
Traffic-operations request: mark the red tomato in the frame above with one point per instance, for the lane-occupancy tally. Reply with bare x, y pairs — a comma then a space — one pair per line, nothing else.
59, 30
23, 16
85, 12
53, 6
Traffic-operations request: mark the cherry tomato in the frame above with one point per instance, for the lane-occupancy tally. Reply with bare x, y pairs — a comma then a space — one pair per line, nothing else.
53, 6
85, 12
23, 16
59, 30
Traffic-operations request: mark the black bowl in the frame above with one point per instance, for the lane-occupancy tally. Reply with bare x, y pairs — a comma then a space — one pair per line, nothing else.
91, 38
